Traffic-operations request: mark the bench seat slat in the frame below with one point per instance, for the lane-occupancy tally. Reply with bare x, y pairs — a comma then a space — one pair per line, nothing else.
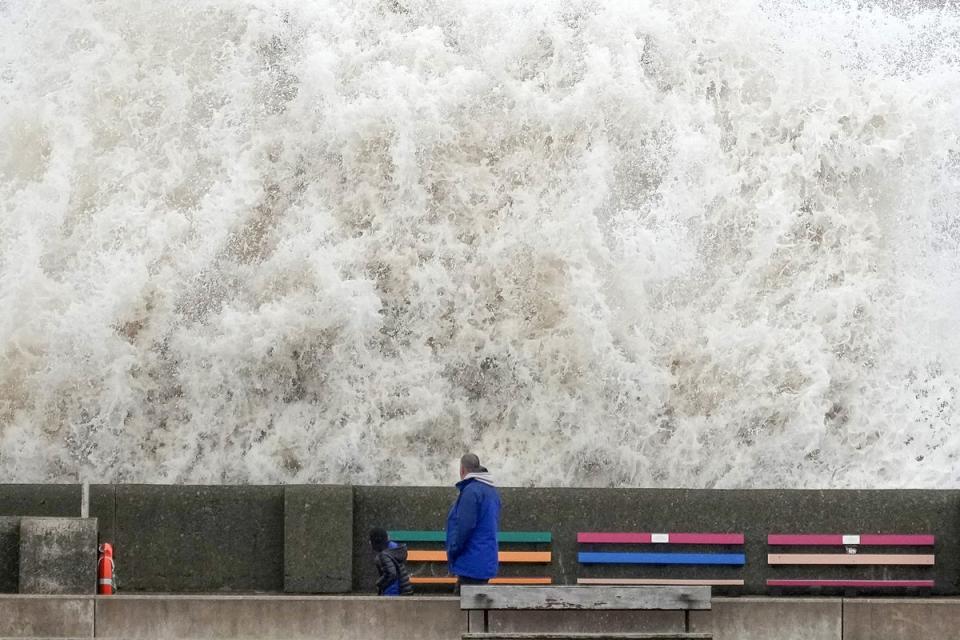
419, 555
584, 597
440, 536
836, 539
851, 558
851, 583
597, 557
648, 538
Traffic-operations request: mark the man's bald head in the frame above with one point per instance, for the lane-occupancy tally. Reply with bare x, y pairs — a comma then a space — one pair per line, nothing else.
469, 463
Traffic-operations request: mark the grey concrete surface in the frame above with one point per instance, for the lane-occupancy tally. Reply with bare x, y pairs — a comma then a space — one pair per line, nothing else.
901, 619
103, 507
168, 617
9, 554
24, 616
56, 500
317, 539
758, 618
579, 621
58, 555
199, 538
279, 617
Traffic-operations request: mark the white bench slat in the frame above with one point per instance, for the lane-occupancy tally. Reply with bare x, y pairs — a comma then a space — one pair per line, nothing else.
584, 598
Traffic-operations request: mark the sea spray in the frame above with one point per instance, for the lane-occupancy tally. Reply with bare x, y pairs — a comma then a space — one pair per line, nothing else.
703, 243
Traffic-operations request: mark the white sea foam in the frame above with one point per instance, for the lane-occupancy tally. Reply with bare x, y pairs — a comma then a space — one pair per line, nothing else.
704, 243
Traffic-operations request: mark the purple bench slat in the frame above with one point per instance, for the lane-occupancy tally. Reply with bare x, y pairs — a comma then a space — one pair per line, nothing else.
850, 583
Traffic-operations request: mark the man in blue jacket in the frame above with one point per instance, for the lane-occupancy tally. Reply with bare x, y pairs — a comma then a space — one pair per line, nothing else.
472, 525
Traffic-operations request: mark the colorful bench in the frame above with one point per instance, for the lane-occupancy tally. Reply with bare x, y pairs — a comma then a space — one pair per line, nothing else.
849, 558
664, 558
509, 557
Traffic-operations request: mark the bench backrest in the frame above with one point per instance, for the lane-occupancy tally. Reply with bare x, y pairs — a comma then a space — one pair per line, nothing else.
660, 540
843, 550
572, 597
429, 561
679, 559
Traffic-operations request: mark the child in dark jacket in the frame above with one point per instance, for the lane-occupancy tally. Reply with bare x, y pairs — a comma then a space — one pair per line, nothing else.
391, 563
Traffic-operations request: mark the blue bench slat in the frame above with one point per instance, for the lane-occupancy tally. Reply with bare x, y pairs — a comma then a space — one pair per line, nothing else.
598, 557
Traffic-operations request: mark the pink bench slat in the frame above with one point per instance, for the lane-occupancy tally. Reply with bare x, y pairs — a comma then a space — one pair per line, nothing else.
672, 538
851, 559
615, 538
836, 539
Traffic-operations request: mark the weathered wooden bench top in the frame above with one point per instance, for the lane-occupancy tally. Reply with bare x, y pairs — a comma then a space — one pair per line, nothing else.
488, 598
558, 598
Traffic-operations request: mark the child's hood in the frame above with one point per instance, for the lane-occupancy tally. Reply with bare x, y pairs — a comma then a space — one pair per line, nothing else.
397, 551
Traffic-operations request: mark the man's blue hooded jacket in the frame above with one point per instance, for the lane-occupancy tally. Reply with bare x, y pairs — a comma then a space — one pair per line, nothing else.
472, 528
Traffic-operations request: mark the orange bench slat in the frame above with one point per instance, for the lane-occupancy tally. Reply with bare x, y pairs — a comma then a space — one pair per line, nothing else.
419, 555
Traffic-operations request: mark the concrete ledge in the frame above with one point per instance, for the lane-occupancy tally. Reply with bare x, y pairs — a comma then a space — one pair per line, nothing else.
163, 617
760, 618
279, 617
23, 616
900, 618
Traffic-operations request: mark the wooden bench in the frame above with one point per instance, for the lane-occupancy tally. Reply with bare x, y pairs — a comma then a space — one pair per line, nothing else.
848, 556
524, 538
486, 598
669, 543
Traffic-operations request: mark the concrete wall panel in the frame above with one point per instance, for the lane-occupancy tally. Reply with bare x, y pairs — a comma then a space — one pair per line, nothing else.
318, 539
751, 618
58, 555
199, 538
54, 500
46, 617
279, 617
103, 507
9, 554
581, 621
900, 619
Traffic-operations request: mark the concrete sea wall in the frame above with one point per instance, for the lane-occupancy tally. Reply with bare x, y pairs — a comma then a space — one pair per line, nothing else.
440, 618
312, 539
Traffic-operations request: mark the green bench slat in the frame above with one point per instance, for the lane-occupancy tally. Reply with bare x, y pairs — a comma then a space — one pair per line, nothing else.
440, 536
